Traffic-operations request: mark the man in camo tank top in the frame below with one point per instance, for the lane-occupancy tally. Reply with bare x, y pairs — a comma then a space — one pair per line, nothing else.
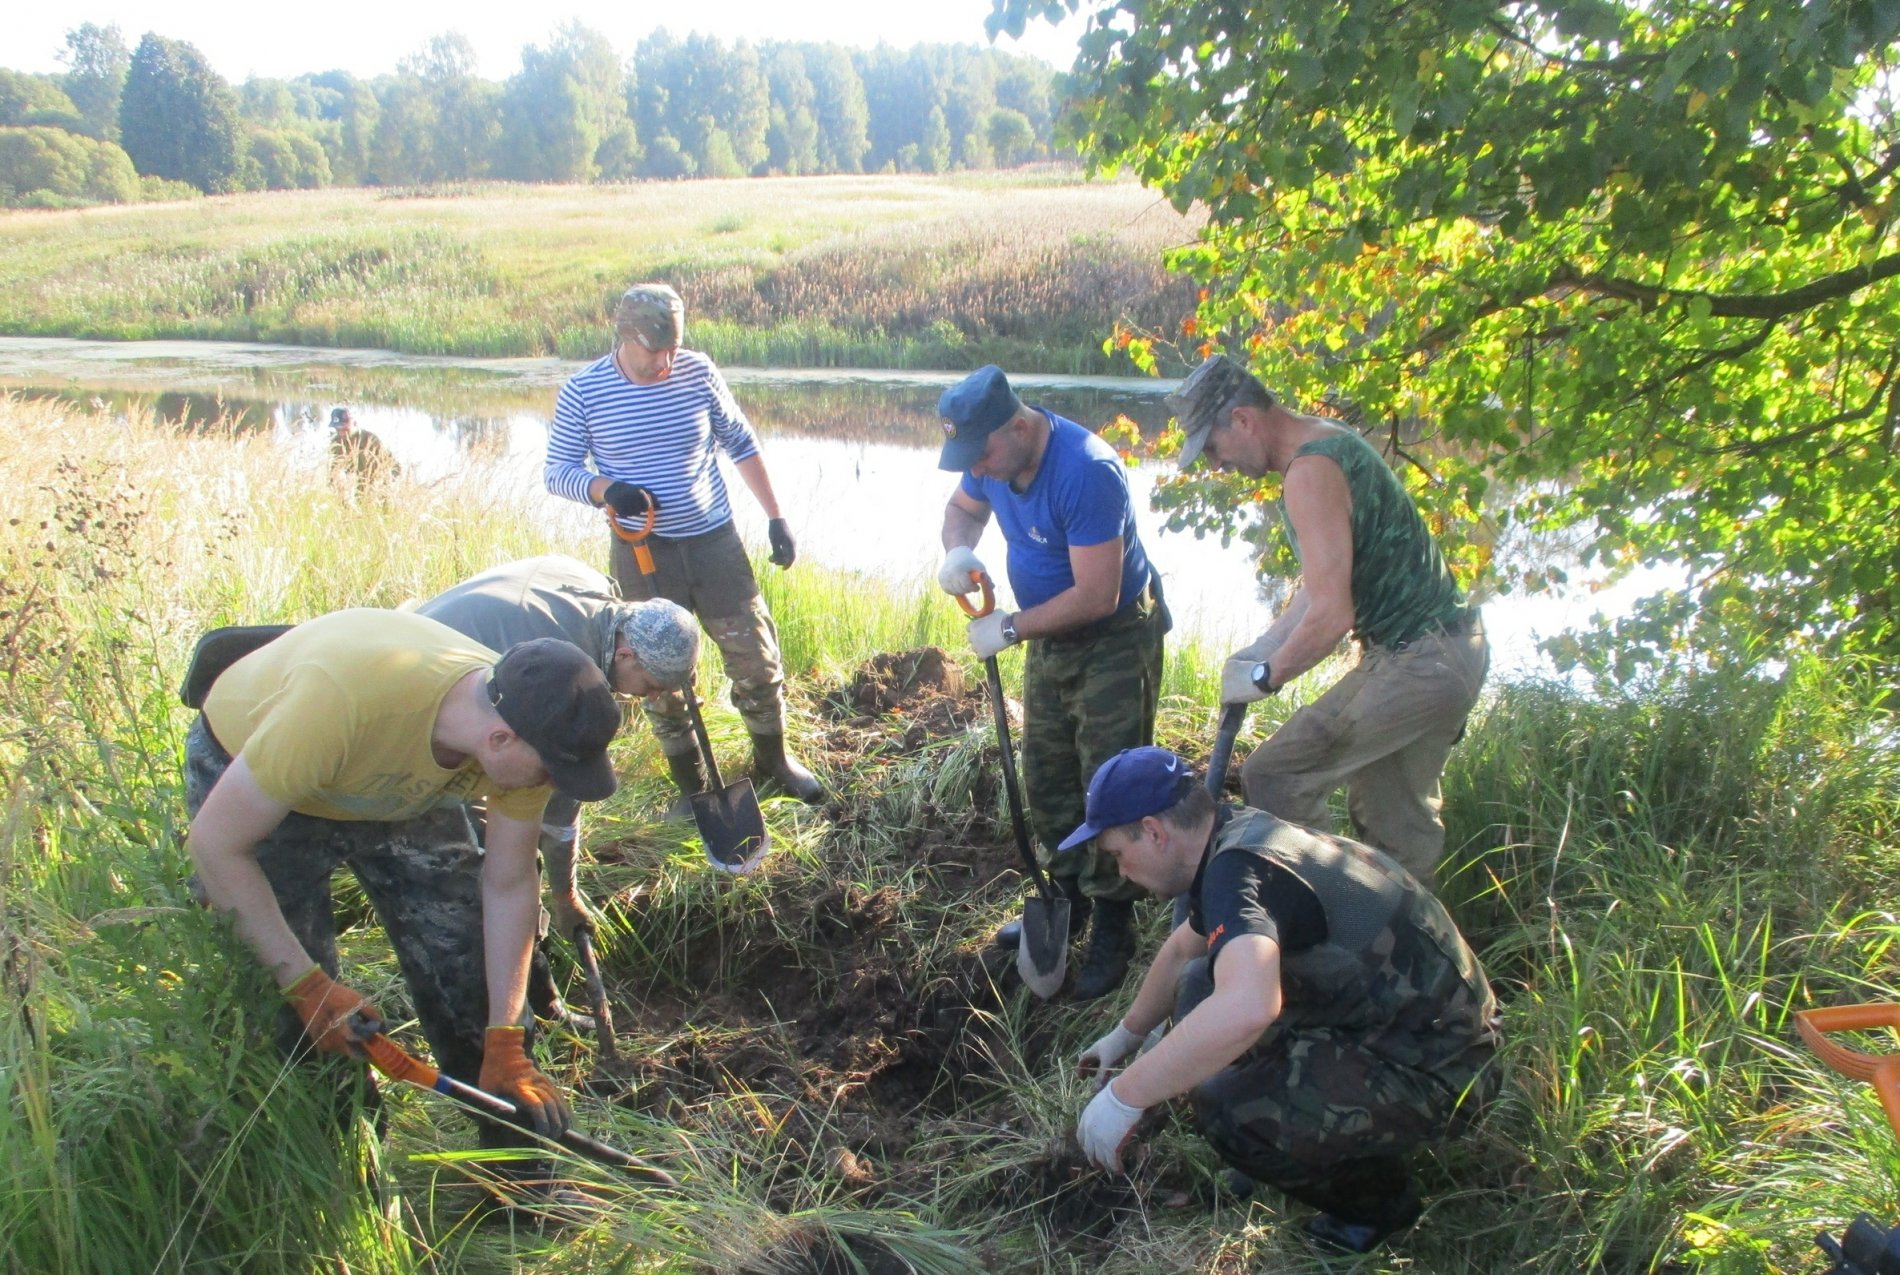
1369, 568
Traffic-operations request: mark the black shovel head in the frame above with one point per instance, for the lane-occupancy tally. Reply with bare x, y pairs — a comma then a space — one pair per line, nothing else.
1042, 957
732, 827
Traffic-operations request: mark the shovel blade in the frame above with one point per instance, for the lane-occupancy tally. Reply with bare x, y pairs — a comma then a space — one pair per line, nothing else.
1042, 957
731, 827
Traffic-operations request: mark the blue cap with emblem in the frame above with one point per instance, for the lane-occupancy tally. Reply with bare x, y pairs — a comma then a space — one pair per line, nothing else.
973, 409
1131, 785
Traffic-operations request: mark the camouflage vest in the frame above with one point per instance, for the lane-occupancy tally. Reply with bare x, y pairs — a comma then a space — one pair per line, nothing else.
1401, 586
1393, 969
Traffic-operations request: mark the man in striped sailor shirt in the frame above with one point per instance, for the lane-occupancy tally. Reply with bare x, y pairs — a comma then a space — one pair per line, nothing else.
651, 417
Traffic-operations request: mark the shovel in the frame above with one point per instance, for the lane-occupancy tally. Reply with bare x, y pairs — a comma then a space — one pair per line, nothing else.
1230, 719
597, 994
1042, 956
731, 825
398, 1064
1882, 1071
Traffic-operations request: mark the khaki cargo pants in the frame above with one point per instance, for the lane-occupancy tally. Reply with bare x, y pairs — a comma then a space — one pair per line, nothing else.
711, 576
1384, 730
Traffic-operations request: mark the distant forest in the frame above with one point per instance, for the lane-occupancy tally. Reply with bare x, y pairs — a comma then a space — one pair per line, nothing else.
157, 122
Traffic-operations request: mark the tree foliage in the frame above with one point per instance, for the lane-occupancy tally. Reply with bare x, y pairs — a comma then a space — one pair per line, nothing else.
178, 118
50, 167
98, 61
1626, 267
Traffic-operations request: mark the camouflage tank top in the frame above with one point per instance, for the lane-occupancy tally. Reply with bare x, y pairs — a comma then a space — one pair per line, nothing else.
1392, 968
1401, 586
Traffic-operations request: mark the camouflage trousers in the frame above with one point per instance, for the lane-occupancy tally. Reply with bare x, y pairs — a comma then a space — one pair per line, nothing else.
423, 878
711, 576
1319, 1116
1085, 698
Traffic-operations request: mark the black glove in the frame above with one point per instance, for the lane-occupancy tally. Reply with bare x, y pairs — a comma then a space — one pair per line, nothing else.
784, 548
627, 500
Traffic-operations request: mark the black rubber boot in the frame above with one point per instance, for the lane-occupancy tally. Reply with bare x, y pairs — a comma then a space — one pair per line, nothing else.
1332, 1233
1010, 936
1361, 1205
1111, 946
777, 771
690, 777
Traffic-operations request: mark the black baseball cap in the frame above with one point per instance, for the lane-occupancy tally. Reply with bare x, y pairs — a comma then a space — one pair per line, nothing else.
553, 695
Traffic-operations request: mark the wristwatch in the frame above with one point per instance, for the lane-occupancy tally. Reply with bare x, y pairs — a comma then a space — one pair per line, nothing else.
1009, 629
1262, 677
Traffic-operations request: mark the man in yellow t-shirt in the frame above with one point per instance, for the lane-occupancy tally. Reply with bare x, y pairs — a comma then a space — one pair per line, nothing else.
353, 739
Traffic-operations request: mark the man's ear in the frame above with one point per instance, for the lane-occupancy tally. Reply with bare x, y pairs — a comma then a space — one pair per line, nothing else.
499, 737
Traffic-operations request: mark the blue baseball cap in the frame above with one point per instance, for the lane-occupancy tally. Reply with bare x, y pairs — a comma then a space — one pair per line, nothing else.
973, 409
1131, 785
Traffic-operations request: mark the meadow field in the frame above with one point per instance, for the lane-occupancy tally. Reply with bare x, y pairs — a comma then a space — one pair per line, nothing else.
1655, 880
1031, 269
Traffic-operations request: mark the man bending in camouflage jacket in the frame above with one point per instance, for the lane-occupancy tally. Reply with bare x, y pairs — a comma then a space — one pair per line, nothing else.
1327, 1015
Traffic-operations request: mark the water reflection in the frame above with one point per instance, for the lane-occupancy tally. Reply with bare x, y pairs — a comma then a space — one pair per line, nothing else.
852, 454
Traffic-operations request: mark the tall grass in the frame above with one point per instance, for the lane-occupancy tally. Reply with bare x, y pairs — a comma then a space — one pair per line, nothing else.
1655, 881
905, 272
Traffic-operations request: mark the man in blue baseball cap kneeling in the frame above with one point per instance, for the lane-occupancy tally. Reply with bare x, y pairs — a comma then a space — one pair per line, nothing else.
1327, 1016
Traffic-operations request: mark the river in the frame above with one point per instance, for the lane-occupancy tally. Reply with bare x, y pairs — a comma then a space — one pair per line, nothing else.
852, 456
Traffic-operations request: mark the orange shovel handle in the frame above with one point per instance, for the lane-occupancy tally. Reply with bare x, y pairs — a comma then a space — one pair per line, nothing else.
978, 580
1882, 1071
642, 556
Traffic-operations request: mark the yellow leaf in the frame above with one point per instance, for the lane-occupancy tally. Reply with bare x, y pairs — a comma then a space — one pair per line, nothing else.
1697, 100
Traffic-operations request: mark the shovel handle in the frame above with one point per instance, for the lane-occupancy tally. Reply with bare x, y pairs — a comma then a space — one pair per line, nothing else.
1230, 719
597, 994
642, 555
1882, 1071
399, 1064
978, 580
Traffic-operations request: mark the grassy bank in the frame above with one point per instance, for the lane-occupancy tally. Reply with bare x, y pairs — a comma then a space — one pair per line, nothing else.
1654, 882
906, 272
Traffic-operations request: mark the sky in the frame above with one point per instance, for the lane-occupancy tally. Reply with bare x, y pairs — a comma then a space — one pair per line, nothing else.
368, 37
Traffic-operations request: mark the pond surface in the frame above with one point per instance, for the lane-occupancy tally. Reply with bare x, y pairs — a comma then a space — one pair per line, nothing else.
852, 455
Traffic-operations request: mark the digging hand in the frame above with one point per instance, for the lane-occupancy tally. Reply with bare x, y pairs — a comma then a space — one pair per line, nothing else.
570, 914
325, 1006
507, 1073
957, 575
1101, 1057
784, 548
1236, 682
627, 500
1105, 1125
986, 634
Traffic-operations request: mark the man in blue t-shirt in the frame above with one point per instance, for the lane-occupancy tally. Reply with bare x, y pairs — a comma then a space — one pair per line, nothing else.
1089, 611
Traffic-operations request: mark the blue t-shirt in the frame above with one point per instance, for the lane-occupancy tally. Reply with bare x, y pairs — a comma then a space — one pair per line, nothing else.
1078, 497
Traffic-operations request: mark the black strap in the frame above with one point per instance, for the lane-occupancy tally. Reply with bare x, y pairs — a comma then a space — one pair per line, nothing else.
217, 651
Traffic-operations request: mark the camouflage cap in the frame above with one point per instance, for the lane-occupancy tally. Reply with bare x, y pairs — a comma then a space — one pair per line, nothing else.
652, 314
1199, 401
665, 638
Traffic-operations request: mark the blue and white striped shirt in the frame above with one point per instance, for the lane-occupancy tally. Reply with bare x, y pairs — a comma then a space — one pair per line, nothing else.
658, 436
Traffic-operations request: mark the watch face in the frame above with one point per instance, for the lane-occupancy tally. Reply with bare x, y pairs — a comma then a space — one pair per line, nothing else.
1260, 674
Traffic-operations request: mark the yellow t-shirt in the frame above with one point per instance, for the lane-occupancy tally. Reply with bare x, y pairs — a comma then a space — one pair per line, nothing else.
335, 717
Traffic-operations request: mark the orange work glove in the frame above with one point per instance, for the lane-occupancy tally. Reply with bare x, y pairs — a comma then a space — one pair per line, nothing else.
507, 1073
325, 1007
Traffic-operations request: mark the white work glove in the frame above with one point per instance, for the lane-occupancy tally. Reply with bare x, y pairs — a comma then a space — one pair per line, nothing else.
986, 634
958, 566
1105, 1125
1100, 1058
1236, 681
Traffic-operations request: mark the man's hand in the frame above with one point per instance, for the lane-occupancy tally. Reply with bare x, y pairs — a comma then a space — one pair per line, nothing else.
1105, 1125
986, 634
1100, 1058
507, 1073
627, 500
956, 576
784, 548
325, 1007
1236, 681
569, 914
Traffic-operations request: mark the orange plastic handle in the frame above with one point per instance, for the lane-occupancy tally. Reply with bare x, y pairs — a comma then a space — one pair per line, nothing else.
978, 580
642, 556
1882, 1071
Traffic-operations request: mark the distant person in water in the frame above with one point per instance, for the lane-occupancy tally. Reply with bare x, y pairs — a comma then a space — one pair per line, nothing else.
358, 457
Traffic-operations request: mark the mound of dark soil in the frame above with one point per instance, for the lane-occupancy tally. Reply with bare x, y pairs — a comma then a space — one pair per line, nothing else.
899, 701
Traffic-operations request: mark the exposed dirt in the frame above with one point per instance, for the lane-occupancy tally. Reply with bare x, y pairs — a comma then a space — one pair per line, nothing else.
900, 701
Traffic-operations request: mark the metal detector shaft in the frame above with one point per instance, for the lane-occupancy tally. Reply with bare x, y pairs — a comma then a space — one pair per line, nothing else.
398, 1064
